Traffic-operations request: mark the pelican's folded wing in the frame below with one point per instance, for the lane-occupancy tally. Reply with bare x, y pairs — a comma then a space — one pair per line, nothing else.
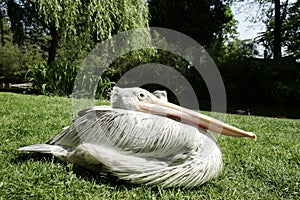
140, 133
95, 108
80, 131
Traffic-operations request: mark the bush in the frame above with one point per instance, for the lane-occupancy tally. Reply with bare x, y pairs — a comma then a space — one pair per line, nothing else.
260, 80
59, 80
15, 62
103, 88
53, 80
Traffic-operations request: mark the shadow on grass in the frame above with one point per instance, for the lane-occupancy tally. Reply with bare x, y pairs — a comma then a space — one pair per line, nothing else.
116, 183
102, 178
82, 173
91, 176
22, 157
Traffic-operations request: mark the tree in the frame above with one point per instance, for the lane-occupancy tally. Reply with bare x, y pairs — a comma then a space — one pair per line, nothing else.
282, 23
203, 20
277, 30
281, 20
76, 23
5, 33
291, 30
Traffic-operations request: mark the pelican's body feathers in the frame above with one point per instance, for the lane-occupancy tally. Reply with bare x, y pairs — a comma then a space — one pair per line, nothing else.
169, 153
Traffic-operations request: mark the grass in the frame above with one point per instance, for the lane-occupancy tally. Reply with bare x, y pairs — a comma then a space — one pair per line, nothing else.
264, 169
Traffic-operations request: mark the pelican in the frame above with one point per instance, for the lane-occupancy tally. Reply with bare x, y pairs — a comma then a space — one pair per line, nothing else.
143, 139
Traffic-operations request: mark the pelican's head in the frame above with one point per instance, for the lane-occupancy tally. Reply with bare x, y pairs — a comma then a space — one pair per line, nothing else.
130, 98
141, 100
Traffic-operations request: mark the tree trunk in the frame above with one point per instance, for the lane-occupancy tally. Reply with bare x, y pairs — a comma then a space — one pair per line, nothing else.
277, 32
53, 46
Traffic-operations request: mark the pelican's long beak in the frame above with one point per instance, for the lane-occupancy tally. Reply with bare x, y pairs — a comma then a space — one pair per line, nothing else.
188, 116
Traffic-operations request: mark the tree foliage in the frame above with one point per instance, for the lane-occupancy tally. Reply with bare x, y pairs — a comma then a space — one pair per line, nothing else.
291, 30
73, 24
282, 28
14, 60
203, 20
5, 32
64, 31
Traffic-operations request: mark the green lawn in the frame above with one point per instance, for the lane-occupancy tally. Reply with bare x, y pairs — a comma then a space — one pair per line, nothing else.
264, 169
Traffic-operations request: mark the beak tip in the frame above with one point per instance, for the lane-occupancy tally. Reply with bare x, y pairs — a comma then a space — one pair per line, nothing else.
253, 136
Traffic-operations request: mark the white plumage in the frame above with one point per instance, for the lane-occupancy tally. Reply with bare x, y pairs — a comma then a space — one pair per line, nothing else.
161, 94
137, 146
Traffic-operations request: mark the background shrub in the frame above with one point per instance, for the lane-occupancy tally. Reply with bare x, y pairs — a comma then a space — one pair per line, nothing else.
15, 62
59, 79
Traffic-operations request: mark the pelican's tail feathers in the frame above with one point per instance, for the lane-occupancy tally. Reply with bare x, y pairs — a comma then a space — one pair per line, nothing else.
55, 150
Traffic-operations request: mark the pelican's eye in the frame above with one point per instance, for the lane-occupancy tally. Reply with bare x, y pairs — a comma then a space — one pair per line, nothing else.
141, 96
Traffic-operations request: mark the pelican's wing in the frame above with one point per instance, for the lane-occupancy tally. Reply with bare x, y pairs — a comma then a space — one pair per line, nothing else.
76, 134
141, 133
95, 108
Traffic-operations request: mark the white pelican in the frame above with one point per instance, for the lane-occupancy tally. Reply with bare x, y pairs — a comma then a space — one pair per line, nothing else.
143, 139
